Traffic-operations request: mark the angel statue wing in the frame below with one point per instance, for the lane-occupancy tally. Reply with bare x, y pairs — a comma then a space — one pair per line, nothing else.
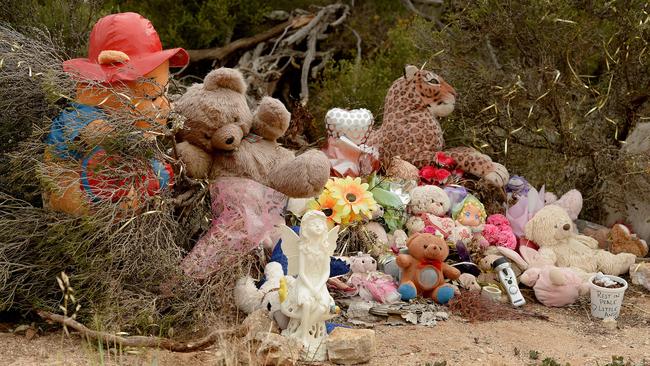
290, 249
332, 236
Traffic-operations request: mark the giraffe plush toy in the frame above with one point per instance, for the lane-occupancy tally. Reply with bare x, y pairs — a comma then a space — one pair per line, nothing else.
411, 131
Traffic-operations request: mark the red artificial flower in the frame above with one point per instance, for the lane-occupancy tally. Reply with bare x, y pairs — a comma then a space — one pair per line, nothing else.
427, 173
441, 175
444, 160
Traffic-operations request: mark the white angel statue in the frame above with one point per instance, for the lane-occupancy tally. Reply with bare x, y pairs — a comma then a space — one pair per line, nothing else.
308, 303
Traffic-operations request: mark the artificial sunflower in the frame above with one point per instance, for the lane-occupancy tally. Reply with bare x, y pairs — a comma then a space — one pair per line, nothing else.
327, 204
352, 196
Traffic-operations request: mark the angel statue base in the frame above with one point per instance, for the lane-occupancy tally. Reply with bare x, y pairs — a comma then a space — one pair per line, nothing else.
307, 301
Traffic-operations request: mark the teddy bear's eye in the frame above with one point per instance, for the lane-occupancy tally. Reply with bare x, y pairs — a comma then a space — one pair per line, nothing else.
207, 136
268, 306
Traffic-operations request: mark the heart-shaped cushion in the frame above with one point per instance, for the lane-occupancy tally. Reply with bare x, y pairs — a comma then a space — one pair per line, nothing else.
355, 124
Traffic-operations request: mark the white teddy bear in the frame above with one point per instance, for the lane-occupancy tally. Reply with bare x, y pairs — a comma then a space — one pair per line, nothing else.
552, 230
428, 206
249, 298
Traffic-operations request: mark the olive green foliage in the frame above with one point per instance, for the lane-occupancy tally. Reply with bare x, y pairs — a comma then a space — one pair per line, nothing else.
348, 84
69, 22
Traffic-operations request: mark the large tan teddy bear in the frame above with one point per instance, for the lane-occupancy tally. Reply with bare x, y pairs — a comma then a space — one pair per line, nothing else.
552, 229
222, 137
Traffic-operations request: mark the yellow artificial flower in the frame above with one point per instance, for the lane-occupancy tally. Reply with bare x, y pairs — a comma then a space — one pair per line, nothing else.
352, 196
327, 204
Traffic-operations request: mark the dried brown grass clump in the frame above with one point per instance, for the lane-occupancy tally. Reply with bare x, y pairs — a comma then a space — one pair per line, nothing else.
472, 306
122, 257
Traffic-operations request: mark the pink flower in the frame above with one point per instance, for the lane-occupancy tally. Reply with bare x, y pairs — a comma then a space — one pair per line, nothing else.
444, 160
457, 173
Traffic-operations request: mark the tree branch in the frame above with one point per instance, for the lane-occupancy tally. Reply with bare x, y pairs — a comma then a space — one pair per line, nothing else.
138, 341
221, 53
409, 5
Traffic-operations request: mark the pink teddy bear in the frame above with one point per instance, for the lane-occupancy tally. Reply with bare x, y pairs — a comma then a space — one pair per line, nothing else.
498, 232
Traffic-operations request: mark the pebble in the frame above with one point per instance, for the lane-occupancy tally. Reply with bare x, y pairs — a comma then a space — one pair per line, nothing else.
441, 315
610, 323
603, 346
489, 350
481, 350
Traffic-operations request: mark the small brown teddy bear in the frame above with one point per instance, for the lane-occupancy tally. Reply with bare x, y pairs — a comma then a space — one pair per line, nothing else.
222, 137
424, 270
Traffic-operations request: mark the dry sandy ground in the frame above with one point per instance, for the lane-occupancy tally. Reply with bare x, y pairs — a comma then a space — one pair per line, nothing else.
569, 336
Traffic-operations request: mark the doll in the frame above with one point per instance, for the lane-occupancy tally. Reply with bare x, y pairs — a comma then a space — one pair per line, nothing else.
371, 284
471, 214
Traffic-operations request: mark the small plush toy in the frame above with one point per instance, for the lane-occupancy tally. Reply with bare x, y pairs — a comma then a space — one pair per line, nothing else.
371, 284
552, 230
468, 282
471, 214
401, 169
424, 270
120, 89
570, 201
428, 206
410, 128
623, 241
497, 232
222, 137
553, 286
249, 298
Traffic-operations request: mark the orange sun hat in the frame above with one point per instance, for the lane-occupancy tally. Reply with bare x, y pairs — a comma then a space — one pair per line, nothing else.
123, 47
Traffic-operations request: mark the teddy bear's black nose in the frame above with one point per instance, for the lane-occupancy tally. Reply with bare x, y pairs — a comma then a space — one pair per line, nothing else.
230, 140
566, 226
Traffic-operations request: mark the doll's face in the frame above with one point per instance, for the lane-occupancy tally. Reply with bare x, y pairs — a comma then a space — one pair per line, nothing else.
470, 216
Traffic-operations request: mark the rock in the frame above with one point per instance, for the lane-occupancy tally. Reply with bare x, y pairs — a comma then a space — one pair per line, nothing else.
489, 351
441, 315
610, 323
428, 319
360, 310
411, 318
277, 350
256, 322
347, 346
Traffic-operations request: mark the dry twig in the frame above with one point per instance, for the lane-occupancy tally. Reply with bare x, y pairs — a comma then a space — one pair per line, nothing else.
138, 341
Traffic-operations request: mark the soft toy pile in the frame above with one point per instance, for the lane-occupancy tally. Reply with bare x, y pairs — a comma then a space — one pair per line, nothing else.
408, 227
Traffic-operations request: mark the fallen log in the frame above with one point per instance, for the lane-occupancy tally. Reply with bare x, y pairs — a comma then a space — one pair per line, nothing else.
221, 53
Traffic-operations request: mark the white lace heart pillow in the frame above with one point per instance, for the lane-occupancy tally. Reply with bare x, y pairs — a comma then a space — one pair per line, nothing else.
354, 124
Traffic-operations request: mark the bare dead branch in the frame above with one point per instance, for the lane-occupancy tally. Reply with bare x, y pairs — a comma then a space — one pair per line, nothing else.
358, 37
221, 53
138, 341
409, 5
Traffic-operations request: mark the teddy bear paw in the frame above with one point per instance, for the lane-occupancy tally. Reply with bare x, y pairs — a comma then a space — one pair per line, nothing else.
302, 177
498, 176
407, 291
443, 294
